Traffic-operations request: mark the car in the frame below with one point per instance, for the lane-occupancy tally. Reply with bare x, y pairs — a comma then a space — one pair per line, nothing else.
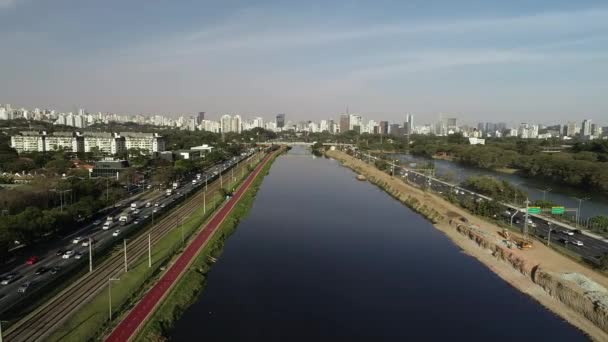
31, 260
78, 256
97, 223
162, 205
68, 254
148, 205
567, 232
77, 240
577, 243
9, 278
59, 252
155, 210
135, 222
156, 204
24, 287
116, 232
55, 269
41, 270
86, 242
577, 231
146, 216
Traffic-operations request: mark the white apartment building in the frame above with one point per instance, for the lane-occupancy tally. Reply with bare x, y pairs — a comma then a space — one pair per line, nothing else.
226, 123
150, 142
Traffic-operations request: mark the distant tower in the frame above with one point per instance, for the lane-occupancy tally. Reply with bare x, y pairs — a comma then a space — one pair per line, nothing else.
280, 121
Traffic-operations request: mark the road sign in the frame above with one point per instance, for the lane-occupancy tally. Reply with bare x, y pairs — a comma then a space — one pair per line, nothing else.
557, 210
533, 210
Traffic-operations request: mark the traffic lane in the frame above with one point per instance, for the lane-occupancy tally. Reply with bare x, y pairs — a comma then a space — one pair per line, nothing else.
100, 237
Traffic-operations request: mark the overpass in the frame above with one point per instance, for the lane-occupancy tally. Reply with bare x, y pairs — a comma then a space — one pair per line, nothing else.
301, 143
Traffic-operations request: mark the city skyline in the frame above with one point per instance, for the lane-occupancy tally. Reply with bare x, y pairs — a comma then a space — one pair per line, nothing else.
478, 61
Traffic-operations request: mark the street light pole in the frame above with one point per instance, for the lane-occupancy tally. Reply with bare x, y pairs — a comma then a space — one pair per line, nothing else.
205, 201
578, 212
125, 248
110, 280
90, 256
149, 250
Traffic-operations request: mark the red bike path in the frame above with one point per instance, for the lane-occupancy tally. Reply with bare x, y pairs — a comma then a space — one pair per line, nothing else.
129, 325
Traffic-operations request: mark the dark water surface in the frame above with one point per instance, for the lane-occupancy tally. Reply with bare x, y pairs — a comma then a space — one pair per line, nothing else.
324, 257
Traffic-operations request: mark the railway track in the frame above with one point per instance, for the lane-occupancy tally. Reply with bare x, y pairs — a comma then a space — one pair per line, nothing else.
40, 323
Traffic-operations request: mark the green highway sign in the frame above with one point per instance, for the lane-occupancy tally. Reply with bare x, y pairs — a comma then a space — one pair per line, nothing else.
533, 210
557, 210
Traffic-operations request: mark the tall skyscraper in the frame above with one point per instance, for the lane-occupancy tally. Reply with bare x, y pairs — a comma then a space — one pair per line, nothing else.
201, 117
586, 128
280, 121
344, 123
237, 124
570, 129
226, 123
408, 125
383, 127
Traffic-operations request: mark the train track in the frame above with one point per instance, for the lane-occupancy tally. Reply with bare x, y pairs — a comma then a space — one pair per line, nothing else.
40, 323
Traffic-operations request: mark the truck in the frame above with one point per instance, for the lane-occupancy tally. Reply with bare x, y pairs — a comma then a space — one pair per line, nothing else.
125, 218
175, 185
168, 192
135, 205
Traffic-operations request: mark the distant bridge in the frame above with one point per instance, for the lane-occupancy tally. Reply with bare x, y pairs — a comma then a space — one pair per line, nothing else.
301, 143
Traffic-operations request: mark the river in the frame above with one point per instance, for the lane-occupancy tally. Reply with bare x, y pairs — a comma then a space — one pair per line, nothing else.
596, 204
322, 256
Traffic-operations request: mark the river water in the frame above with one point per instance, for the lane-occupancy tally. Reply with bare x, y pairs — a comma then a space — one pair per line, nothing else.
596, 204
322, 256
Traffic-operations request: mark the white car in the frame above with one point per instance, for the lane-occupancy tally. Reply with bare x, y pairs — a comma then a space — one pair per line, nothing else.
85, 243
568, 232
78, 256
68, 254
577, 242
135, 222
77, 240
106, 225
116, 232
148, 205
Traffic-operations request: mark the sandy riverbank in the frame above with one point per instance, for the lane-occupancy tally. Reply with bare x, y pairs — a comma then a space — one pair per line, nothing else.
541, 272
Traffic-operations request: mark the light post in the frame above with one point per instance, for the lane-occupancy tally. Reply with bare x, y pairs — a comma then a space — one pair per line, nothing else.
205, 201
149, 250
578, 212
125, 249
90, 256
110, 280
513, 216
544, 191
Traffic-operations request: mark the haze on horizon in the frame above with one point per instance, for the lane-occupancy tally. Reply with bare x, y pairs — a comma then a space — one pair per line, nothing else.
542, 61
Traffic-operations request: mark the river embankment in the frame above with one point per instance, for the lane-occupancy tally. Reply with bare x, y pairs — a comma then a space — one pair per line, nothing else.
572, 291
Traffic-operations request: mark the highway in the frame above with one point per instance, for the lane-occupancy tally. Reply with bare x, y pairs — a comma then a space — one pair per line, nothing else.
134, 320
592, 248
47, 315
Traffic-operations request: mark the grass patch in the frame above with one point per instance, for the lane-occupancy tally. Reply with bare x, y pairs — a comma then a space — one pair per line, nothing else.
187, 290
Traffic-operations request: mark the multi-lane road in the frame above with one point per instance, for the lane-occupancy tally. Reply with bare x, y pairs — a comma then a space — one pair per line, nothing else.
72, 252
592, 247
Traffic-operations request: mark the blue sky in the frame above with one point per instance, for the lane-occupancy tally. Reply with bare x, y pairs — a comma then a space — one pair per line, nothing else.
513, 61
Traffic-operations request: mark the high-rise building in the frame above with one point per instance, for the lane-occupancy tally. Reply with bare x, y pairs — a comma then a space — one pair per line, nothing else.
586, 128
570, 129
408, 125
236, 124
226, 123
280, 121
200, 117
344, 123
383, 127
355, 123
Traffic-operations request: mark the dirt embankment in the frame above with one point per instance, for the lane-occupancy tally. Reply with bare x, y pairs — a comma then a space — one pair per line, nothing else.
575, 292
